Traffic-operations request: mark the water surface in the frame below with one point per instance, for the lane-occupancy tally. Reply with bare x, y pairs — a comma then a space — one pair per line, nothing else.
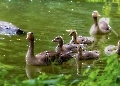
48, 19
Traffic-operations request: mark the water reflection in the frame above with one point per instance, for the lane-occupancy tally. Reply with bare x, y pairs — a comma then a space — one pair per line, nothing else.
113, 1
99, 39
83, 64
31, 71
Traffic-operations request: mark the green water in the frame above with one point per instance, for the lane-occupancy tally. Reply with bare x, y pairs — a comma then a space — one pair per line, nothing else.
48, 19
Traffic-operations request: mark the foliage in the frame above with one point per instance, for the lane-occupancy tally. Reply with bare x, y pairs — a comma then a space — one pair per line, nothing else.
110, 75
44, 80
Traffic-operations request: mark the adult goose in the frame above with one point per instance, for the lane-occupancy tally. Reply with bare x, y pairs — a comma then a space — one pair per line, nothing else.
86, 55
112, 49
80, 39
7, 28
43, 58
99, 27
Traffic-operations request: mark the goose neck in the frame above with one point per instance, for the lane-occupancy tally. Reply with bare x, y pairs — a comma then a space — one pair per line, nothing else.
59, 46
30, 52
74, 39
80, 53
95, 21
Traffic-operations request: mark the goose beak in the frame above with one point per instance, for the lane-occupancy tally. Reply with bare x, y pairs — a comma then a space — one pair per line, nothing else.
28, 37
70, 34
98, 15
53, 40
68, 30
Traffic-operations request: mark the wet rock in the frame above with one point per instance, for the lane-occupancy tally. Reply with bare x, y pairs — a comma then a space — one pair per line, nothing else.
7, 28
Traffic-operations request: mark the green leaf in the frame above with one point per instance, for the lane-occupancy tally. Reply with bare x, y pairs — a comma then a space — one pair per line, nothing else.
31, 82
110, 60
86, 71
92, 75
74, 81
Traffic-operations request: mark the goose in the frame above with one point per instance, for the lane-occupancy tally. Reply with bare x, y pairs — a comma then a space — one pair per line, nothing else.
99, 27
86, 55
80, 39
44, 58
112, 49
61, 47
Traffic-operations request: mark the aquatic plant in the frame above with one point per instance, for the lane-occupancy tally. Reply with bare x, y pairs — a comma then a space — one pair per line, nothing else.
108, 76
45, 80
105, 74
42, 80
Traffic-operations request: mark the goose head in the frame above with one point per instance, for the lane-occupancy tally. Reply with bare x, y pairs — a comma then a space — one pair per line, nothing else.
30, 36
73, 33
57, 39
96, 54
95, 14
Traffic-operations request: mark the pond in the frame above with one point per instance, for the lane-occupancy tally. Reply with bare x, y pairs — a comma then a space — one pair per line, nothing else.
48, 19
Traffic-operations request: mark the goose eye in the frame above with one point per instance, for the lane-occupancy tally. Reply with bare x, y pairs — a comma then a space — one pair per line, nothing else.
57, 38
107, 28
